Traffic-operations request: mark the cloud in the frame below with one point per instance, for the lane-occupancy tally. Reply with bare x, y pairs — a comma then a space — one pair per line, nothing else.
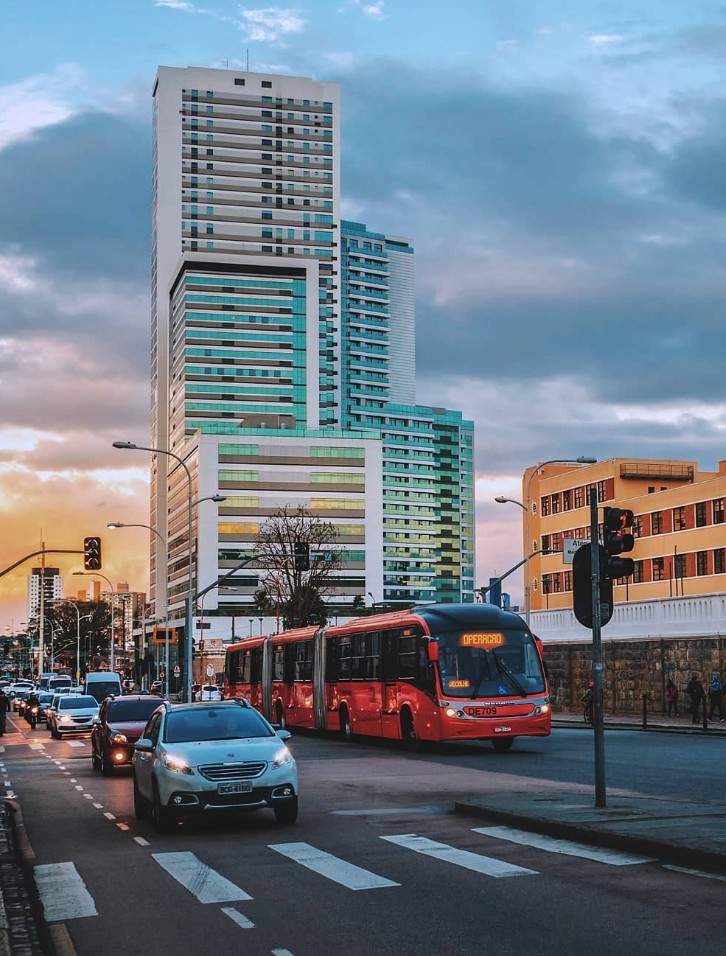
270, 24
605, 39
37, 102
372, 10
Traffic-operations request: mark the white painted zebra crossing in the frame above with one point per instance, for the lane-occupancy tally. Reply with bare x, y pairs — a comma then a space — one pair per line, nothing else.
64, 894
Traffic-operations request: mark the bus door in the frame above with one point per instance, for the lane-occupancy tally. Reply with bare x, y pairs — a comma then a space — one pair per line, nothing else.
390, 720
303, 684
266, 679
365, 685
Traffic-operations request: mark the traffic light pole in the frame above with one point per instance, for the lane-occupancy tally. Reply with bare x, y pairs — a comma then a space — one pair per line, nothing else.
597, 668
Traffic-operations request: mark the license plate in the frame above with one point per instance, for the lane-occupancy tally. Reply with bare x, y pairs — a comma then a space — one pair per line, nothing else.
481, 711
234, 788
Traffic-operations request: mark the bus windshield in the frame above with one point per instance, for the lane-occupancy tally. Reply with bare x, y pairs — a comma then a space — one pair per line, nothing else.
501, 663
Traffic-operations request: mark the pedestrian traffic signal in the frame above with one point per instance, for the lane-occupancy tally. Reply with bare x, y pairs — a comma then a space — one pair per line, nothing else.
302, 556
92, 554
617, 539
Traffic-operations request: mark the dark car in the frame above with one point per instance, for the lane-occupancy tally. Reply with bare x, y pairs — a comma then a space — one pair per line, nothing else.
120, 723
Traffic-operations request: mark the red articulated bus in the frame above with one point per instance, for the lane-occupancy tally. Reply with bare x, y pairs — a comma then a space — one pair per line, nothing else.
436, 672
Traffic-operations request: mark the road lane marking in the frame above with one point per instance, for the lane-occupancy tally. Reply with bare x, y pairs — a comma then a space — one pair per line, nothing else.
141, 841
325, 864
432, 808
88, 796
471, 861
565, 847
75, 743
237, 917
78, 787
37, 746
98, 806
204, 883
281, 952
109, 816
63, 893
689, 872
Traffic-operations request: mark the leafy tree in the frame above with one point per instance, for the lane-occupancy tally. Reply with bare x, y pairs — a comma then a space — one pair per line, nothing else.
296, 593
95, 621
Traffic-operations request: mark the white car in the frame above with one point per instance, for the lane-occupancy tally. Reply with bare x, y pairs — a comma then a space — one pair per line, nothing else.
72, 714
211, 757
208, 692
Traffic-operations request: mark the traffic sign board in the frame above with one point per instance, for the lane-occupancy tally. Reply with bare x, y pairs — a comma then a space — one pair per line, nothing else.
570, 546
177, 670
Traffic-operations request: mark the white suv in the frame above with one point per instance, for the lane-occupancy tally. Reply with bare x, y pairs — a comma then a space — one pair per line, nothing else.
212, 757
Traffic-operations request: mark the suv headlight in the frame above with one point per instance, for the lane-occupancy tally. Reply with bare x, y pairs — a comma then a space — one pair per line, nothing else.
176, 764
119, 739
282, 757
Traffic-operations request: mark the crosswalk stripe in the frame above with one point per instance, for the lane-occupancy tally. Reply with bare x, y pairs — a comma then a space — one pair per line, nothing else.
75, 743
565, 847
690, 872
238, 917
203, 882
449, 854
332, 867
37, 746
63, 893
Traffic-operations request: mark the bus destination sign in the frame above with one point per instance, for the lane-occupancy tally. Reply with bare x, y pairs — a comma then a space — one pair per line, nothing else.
482, 639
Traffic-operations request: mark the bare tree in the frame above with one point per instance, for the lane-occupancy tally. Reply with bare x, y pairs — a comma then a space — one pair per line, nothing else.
297, 593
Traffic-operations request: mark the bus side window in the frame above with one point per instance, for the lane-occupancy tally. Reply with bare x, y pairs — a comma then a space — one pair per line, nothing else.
278, 662
332, 656
389, 655
344, 658
255, 665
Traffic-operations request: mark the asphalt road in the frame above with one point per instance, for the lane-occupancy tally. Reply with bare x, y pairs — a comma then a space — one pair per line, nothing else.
377, 863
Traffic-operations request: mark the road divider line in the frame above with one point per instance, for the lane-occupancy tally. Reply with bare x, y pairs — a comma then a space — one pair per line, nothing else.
566, 847
141, 841
109, 816
202, 881
238, 917
332, 867
485, 865
63, 893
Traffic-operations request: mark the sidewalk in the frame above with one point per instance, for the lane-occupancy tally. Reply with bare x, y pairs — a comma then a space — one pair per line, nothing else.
679, 832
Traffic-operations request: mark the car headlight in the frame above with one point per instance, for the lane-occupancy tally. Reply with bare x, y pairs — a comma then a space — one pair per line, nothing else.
119, 739
176, 764
282, 757
65, 720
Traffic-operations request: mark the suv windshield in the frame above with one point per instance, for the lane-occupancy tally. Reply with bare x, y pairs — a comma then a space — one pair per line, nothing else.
140, 710
215, 723
489, 664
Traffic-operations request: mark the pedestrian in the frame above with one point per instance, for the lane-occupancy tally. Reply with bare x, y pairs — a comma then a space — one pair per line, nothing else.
671, 696
695, 692
715, 693
4, 708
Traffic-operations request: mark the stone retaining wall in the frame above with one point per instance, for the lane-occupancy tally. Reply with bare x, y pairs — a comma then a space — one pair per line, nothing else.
631, 669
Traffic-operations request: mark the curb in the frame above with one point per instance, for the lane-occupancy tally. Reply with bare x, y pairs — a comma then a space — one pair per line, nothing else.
26, 924
698, 859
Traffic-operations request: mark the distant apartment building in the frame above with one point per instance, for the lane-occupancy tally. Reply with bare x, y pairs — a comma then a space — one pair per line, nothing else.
51, 581
283, 348
680, 532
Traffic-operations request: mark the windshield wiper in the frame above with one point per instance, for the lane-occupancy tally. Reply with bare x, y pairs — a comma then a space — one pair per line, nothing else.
486, 669
503, 669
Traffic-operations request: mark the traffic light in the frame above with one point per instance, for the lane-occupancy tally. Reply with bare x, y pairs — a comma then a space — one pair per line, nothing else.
617, 539
92, 554
302, 556
582, 586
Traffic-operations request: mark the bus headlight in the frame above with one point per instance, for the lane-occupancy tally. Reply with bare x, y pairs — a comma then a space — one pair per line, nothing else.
451, 712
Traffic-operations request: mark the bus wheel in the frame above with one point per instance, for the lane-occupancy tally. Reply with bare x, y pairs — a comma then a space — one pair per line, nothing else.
408, 731
502, 744
280, 714
346, 731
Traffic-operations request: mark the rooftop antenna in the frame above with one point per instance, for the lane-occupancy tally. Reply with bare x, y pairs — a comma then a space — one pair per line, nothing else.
248, 59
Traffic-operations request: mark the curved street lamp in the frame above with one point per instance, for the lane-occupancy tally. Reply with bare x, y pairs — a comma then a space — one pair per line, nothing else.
189, 609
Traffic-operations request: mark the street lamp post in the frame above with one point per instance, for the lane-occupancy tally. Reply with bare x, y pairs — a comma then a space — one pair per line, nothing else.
189, 604
112, 635
85, 617
527, 506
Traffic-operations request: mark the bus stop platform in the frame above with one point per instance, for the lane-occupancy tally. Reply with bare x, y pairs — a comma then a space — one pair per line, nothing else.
688, 834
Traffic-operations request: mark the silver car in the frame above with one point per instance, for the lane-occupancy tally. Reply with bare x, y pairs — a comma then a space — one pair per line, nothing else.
212, 758
73, 714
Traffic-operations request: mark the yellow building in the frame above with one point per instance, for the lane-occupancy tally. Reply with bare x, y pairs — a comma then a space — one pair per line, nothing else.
680, 534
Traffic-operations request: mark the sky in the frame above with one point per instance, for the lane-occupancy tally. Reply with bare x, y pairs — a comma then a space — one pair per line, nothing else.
558, 166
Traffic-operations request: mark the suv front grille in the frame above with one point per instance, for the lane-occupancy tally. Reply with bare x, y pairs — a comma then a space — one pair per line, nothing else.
232, 771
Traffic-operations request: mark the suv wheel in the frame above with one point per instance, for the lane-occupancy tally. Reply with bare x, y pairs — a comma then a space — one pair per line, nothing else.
142, 809
287, 812
106, 765
163, 817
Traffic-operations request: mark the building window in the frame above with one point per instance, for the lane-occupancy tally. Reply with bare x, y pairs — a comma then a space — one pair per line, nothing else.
601, 493
656, 523
658, 569
555, 541
717, 510
679, 565
701, 516
679, 519
556, 502
579, 497
266, 85
238, 81
567, 583
544, 504
701, 562
719, 561
566, 500
638, 572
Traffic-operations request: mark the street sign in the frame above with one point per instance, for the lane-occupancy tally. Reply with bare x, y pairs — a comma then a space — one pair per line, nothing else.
570, 546
203, 625
210, 670
177, 671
